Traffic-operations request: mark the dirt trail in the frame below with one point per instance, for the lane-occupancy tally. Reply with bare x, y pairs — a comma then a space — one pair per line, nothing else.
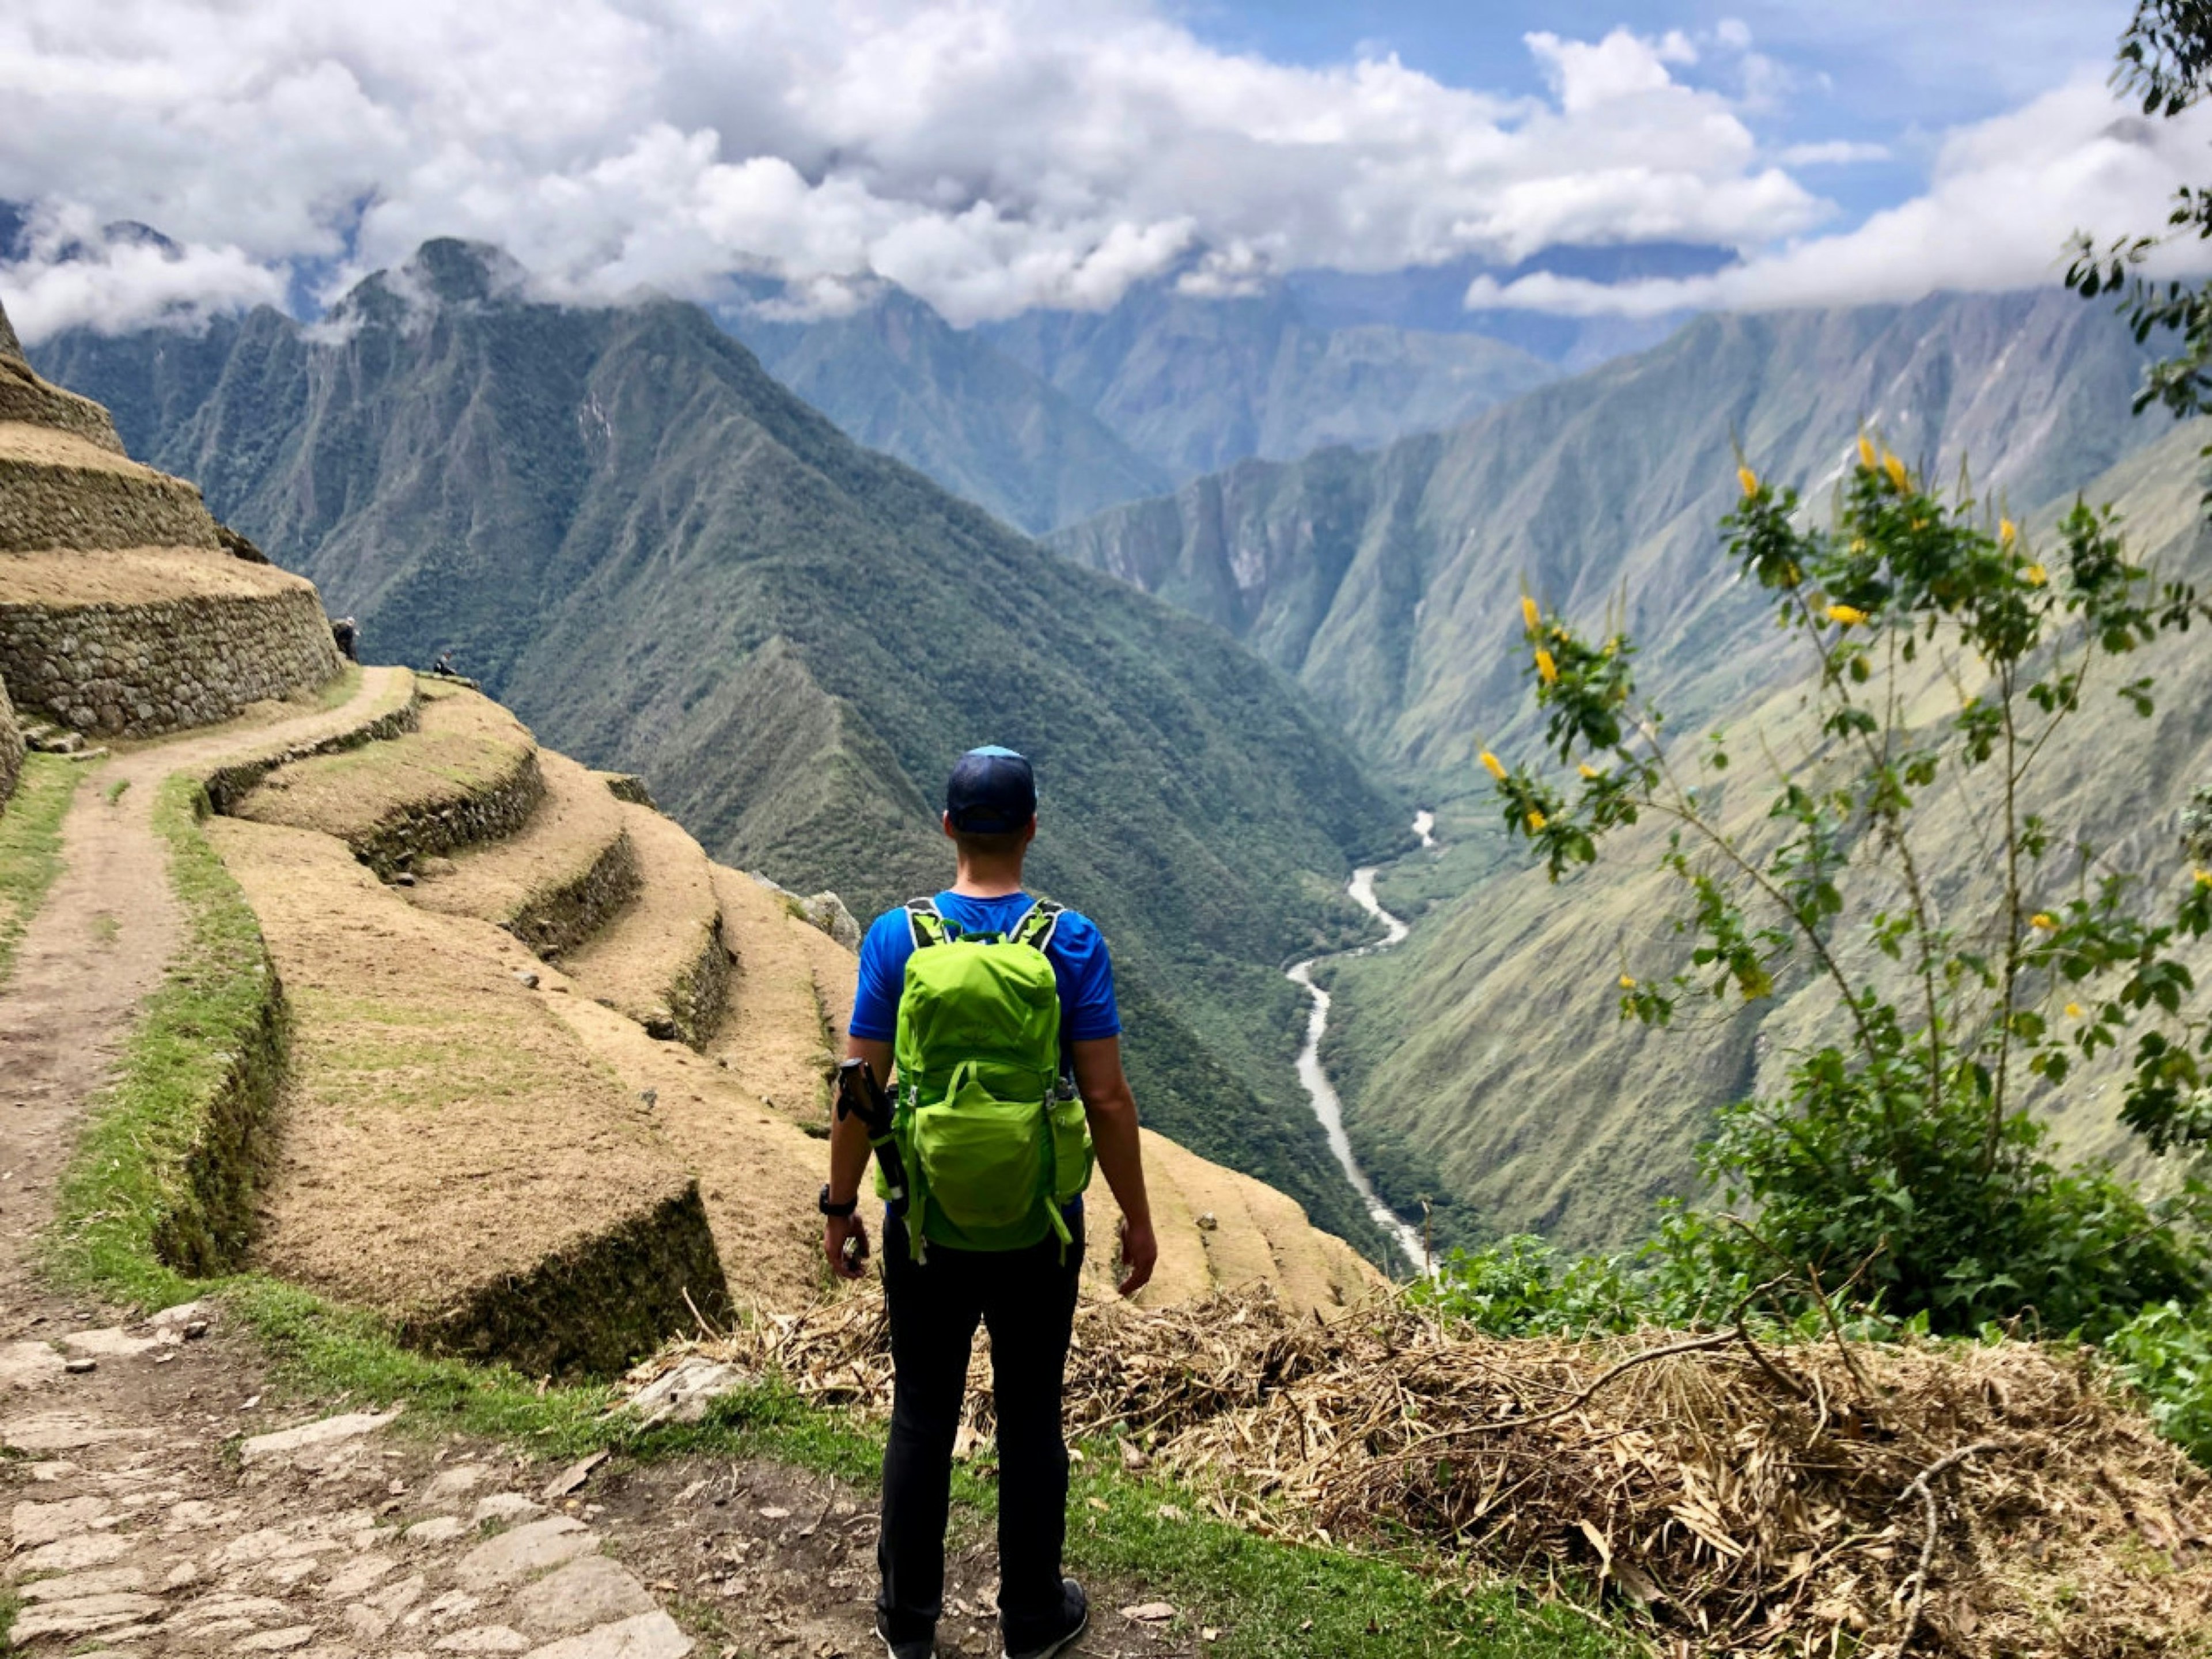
92, 953
158, 1505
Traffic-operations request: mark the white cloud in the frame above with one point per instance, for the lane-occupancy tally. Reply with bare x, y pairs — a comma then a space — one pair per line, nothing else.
77, 277
989, 155
2005, 196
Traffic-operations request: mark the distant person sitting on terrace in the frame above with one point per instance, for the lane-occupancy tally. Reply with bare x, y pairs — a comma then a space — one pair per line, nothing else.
997, 1010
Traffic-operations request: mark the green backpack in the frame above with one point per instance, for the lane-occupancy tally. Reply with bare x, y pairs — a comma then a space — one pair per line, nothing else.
993, 1141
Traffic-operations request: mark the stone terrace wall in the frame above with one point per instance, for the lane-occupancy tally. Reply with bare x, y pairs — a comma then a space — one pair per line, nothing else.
139, 670
25, 397
86, 506
11, 748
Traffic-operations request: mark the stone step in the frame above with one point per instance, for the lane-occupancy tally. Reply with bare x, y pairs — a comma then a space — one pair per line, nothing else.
60, 489
554, 882
139, 641
469, 775
661, 960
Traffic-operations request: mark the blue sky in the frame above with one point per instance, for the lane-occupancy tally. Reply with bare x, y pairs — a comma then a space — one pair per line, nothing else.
1876, 71
995, 156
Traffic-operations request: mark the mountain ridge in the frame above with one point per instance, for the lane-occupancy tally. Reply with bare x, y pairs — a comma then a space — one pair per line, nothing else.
587, 500
1387, 582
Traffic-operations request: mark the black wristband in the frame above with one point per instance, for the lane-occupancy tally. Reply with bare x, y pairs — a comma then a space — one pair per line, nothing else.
839, 1211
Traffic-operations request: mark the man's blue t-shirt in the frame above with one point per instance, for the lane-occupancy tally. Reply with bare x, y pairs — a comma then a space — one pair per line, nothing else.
1077, 951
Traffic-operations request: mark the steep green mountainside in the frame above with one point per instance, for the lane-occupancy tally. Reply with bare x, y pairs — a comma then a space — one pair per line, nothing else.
897, 377
1485, 1058
1387, 581
665, 562
1197, 383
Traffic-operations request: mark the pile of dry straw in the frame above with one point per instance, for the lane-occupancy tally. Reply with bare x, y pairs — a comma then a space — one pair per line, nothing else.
1745, 1498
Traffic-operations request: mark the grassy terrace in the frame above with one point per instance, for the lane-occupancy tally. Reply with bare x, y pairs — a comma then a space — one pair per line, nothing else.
1269, 1600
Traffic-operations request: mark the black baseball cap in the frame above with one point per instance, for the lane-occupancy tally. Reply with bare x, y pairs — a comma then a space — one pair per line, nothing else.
991, 791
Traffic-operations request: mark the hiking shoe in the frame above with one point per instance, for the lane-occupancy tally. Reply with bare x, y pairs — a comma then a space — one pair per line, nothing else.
917, 1647
1074, 1619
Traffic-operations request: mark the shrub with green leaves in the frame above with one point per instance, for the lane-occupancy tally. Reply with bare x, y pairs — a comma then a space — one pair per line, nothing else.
1898, 1162
2166, 1351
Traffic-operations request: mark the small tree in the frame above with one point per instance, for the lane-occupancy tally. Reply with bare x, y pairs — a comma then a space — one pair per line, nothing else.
1898, 1154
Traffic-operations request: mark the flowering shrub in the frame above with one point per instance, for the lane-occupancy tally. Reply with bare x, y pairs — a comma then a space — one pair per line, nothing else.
1898, 1162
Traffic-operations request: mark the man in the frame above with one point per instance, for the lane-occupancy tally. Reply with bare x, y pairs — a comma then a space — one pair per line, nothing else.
938, 1291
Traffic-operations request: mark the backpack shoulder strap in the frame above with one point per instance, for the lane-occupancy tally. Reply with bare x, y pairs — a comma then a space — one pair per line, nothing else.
1038, 926
926, 922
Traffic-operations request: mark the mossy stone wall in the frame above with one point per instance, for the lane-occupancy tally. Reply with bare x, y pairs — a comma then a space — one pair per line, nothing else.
140, 670
95, 508
565, 917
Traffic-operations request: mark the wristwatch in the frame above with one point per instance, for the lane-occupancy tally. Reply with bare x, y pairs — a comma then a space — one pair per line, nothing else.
840, 1210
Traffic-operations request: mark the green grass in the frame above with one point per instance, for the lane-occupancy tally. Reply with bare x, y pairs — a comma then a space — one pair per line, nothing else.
31, 845
10, 1605
131, 1178
120, 1200
340, 691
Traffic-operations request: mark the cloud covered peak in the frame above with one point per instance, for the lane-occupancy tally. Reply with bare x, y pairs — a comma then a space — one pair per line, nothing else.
990, 156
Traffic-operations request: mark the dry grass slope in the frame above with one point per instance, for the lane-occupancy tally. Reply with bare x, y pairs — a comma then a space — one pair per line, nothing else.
1743, 1500
59, 579
468, 775
555, 882
450, 1154
661, 960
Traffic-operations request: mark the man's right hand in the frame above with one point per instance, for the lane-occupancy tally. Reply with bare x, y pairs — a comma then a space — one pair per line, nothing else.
835, 1230
1139, 1251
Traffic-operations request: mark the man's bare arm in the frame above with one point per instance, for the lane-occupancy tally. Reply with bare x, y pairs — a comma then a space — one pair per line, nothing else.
849, 1162
1112, 1110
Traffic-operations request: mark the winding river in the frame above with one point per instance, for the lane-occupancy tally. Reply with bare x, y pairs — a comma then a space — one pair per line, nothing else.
1326, 1104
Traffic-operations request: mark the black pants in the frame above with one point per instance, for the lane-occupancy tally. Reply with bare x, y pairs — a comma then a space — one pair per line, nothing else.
1026, 1300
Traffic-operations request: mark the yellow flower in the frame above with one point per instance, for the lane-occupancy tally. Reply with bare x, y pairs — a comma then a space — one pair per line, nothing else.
2008, 532
2204, 877
1895, 468
1530, 617
1494, 766
2073, 1010
2042, 922
1866, 452
1748, 479
1588, 770
1849, 615
1627, 983
1536, 821
1546, 670
2035, 575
